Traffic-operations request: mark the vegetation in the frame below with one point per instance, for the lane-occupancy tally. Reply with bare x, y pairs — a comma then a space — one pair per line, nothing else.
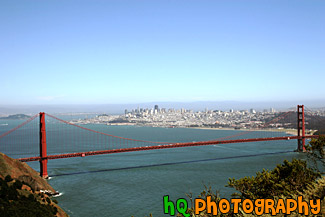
14, 201
20, 191
320, 132
16, 117
316, 153
310, 121
316, 123
22, 172
287, 180
204, 194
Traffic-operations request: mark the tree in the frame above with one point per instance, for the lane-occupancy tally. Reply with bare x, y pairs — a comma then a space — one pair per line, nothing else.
13, 203
316, 153
286, 179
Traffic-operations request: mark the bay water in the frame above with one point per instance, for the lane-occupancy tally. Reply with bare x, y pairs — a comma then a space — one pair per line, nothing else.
133, 184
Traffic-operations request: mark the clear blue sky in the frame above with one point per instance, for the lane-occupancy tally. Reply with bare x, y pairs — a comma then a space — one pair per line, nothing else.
107, 51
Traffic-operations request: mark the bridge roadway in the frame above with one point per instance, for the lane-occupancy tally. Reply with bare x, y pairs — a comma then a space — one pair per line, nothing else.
172, 145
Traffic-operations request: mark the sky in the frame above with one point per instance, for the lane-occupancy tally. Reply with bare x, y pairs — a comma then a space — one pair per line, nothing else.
113, 51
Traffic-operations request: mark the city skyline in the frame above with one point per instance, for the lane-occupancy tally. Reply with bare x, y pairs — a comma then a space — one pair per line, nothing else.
195, 106
113, 52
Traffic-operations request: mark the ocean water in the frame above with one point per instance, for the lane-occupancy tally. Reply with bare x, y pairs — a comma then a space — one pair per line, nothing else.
133, 184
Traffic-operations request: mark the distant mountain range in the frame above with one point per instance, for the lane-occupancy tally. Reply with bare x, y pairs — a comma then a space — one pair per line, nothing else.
119, 108
15, 117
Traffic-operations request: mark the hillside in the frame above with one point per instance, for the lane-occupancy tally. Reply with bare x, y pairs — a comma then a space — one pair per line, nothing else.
16, 117
23, 172
23, 191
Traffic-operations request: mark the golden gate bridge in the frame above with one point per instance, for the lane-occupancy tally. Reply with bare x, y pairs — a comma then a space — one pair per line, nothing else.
30, 142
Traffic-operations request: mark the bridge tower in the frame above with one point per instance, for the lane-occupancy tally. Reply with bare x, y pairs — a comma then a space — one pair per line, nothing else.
42, 146
301, 128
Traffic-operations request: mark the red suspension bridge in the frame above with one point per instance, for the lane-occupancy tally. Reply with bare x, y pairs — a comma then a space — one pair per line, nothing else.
36, 140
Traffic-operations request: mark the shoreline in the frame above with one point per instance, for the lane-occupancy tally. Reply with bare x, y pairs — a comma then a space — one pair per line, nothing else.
288, 131
283, 130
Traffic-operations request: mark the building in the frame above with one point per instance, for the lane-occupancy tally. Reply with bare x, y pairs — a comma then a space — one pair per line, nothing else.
156, 108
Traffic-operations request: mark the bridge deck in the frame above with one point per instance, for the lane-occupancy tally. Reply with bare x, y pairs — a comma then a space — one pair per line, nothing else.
173, 145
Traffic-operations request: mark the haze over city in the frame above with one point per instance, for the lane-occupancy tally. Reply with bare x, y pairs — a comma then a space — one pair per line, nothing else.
58, 53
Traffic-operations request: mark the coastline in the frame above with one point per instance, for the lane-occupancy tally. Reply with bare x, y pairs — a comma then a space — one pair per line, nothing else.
288, 131
283, 130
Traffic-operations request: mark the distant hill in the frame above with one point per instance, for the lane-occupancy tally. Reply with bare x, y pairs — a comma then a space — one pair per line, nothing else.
16, 117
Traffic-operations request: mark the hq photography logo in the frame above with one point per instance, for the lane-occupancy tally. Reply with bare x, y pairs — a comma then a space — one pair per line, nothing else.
258, 206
